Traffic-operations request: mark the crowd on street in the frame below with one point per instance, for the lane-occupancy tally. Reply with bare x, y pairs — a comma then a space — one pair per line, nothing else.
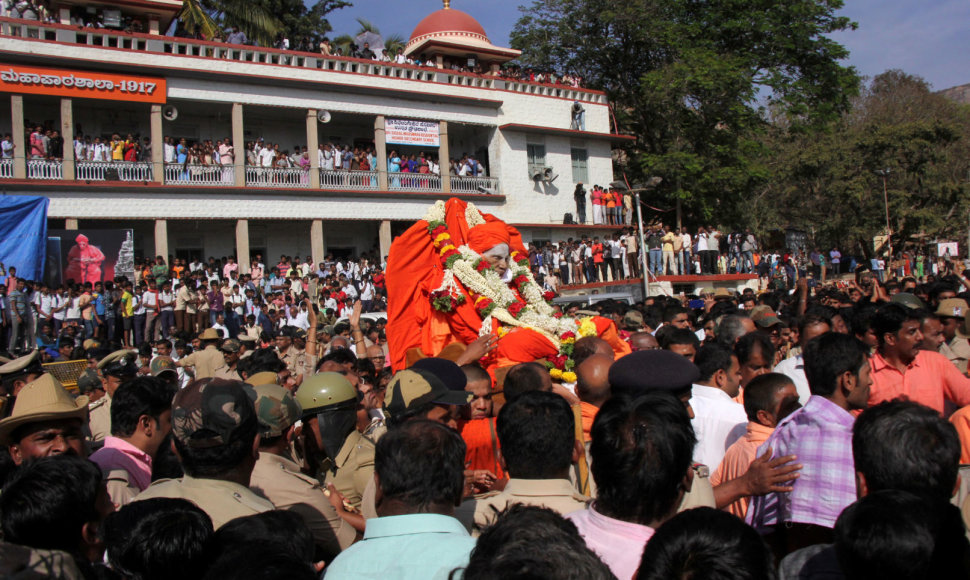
710, 446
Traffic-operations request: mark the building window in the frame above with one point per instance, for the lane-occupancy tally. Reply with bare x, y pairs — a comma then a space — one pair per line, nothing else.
580, 165
537, 157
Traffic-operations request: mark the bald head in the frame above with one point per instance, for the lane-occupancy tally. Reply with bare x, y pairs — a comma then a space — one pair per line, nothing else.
374, 351
590, 345
593, 379
644, 341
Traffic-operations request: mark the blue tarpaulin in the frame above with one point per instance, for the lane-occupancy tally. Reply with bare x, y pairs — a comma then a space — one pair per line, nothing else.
23, 234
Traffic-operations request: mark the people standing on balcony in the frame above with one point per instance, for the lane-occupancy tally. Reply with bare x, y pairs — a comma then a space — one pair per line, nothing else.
596, 196
168, 150
236, 36
117, 148
55, 149
131, 149
37, 147
7, 147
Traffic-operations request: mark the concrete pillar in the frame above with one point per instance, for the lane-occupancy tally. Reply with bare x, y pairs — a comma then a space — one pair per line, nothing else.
312, 145
70, 224
384, 237
64, 15
380, 144
239, 144
158, 145
317, 249
242, 246
67, 132
19, 141
444, 157
153, 25
161, 239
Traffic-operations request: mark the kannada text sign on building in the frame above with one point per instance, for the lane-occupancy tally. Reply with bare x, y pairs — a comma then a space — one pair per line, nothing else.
81, 84
407, 132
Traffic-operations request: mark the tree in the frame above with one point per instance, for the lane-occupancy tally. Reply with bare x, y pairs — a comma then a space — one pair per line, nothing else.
827, 180
263, 21
685, 78
391, 43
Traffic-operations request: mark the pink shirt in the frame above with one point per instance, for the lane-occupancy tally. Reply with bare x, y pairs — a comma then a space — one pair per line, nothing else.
619, 544
119, 454
227, 269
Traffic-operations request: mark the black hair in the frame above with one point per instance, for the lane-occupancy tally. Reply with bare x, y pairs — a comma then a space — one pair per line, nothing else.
284, 529
475, 372
149, 396
340, 328
811, 319
157, 539
524, 377
759, 394
263, 360
47, 501
537, 433
830, 355
706, 543
748, 344
934, 290
908, 446
860, 318
530, 542
421, 464
341, 356
889, 319
670, 336
898, 535
711, 358
672, 312
258, 561
641, 451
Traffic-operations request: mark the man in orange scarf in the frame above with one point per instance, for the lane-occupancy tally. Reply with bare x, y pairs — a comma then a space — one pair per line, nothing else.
477, 426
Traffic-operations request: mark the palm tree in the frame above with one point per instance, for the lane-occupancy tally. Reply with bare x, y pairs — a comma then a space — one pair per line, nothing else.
391, 43
204, 17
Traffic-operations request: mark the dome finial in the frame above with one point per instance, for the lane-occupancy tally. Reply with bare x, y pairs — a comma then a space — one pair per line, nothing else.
447, 4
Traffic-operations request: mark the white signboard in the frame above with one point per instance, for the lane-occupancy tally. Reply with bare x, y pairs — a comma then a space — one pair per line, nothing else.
406, 132
946, 249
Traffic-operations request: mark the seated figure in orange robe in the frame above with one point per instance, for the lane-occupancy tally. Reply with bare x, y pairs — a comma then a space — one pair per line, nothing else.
459, 274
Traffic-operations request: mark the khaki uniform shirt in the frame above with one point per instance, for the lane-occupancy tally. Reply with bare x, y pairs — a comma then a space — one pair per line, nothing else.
701, 492
225, 372
296, 360
279, 479
556, 494
99, 419
221, 500
121, 489
355, 467
958, 352
205, 361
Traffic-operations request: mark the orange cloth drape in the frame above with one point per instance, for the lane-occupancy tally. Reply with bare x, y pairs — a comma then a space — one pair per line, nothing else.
588, 413
481, 442
961, 420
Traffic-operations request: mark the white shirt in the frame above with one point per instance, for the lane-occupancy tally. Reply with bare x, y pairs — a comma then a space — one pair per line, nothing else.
166, 297
685, 238
367, 292
794, 369
169, 152
73, 309
45, 304
222, 330
701, 243
350, 291
718, 422
149, 300
266, 157
56, 302
139, 309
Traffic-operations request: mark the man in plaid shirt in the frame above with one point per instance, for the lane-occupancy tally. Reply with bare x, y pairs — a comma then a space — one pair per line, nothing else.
820, 434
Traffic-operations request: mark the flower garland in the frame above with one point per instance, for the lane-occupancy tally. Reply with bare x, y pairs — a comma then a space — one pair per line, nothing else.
527, 306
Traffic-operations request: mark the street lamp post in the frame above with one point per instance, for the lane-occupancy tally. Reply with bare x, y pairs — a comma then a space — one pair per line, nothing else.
884, 173
652, 183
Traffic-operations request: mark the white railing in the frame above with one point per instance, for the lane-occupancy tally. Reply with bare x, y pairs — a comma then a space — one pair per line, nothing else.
182, 174
6, 168
466, 184
44, 169
113, 171
288, 177
348, 179
414, 181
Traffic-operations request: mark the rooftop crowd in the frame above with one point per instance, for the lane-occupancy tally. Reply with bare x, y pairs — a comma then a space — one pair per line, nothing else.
816, 432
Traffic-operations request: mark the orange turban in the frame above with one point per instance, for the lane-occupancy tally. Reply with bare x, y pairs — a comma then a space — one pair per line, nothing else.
484, 237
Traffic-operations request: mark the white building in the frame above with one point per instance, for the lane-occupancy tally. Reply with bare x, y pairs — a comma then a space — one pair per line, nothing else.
100, 81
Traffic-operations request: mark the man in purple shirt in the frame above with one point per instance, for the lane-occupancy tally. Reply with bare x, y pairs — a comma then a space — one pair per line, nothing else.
820, 434
141, 419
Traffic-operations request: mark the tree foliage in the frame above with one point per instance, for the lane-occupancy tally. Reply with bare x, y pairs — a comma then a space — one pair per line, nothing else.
263, 21
826, 180
686, 77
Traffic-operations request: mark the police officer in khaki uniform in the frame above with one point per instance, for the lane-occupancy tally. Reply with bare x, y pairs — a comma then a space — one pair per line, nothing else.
955, 347
278, 477
205, 361
208, 417
15, 374
247, 344
115, 369
345, 457
230, 356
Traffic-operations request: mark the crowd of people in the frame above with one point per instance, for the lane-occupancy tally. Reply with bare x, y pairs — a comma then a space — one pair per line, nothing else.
809, 434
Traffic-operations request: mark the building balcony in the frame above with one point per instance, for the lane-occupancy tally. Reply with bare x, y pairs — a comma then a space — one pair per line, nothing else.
223, 176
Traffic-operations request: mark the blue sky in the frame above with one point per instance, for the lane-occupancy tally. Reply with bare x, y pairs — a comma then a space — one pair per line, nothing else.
923, 37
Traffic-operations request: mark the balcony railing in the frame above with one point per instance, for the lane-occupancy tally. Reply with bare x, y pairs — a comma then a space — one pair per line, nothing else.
44, 169
184, 174
180, 174
113, 171
348, 180
414, 181
466, 184
287, 177
148, 43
